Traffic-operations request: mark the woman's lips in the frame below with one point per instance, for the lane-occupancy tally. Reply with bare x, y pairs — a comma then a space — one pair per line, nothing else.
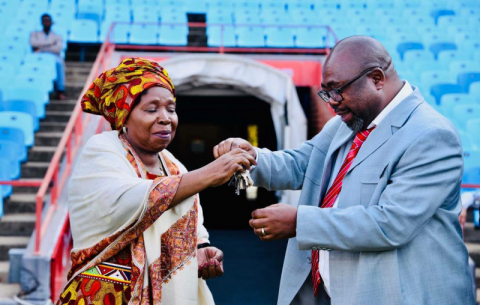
163, 134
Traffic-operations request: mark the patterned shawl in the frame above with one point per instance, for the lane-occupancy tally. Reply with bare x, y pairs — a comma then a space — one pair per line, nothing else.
113, 93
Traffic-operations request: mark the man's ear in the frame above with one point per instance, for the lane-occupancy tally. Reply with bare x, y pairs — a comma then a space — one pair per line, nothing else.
378, 78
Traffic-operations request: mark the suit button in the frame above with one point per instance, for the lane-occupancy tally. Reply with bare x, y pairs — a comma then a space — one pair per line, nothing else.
309, 260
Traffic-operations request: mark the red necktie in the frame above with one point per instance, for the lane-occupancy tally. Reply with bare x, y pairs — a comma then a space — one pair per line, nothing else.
332, 194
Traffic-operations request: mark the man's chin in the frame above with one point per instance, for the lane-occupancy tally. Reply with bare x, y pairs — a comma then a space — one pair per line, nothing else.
355, 124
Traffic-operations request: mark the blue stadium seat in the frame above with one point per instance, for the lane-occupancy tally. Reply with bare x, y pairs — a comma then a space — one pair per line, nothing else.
6, 190
214, 36
144, 3
310, 37
446, 57
173, 35
293, 5
143, 34
42, 73
42, 60
436, 48
468, 144
466, 79
195, 7
27, 92
253, 6
449, 101
326, 5
219, 16
63, 6
352, 4
272, 16
28, 107
21, 121
372, 31
13, 48
246, 18
419, 67
418, 56
474, 21
279, 37
272, 5
224, 5
124, 3
471, 36
455, 30
414, 11
441, 89
120, 32
402, 48
447, 21
117, 13
422, 21
386, 4
473, 128
471, 175
141, 16
436, 14
463, 113
8, 154
469, 12
16, 138
249, 36
475, 91
90, 10
84, 31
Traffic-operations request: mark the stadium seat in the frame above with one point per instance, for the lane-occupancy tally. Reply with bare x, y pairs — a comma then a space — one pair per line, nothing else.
21, 121
449, 101
195, 7
10, 160
41, 73
249, 36
446, 57
463, 113
465, 4
473, 128
352, 4
279, 37
15, 137
438, 47
120, 32
173, 14
117, 2
447, 21
468, 144
272, 5
253, 6
471, 159
456, 30
144, 3
6, 190
143, 34
247, 18
471, 175
214, 36
84, 31
418, 56
90, 10
42, 60
471, 36
219, 16
436, 14
28, 92
224, 5
385, 4
140, 16
293, 5
466, 79
28, 107
116, 13
310, 37
475, 91
274, 17
173, 35
441, 89
408, 46
419, 67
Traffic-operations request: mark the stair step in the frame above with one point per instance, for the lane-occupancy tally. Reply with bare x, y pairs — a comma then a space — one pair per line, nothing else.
474, 252
470, 234
41, 153
25, 189
20, 202
52, 126
21, 224
34, 169
51, 138
58, 105
9, 242
4, 265
57, 116
7, 291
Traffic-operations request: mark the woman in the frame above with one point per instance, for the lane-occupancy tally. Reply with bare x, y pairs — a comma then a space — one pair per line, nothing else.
136, 220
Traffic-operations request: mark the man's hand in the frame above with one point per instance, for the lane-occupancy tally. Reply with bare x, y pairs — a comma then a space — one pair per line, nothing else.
232, 143
210, 262
278, 221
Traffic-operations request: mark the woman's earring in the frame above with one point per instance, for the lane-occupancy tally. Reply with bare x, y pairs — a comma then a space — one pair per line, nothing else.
124, 130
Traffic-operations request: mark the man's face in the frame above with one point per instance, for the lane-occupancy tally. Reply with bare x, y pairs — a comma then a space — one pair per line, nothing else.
357, 109
46, 23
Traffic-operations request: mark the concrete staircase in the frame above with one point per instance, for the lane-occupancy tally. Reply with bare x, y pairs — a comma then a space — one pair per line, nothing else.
18, 222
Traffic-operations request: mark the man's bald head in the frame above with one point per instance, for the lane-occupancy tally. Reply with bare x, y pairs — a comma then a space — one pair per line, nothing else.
359, 53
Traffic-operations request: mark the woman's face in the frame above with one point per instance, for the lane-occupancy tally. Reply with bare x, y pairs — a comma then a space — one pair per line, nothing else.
153, 121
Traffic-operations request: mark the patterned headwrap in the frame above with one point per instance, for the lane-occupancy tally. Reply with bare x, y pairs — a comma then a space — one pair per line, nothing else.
113, 93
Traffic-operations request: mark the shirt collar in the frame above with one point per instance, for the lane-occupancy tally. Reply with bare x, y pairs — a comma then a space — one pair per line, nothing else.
401, 95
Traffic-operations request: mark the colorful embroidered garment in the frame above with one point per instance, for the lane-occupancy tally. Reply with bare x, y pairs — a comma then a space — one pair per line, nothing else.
147, 256
113, 93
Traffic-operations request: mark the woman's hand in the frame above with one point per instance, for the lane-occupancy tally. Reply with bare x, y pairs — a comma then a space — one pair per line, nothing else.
210, 262
221, 170
231, 144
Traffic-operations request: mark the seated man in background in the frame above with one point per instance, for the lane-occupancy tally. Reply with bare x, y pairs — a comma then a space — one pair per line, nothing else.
46, 41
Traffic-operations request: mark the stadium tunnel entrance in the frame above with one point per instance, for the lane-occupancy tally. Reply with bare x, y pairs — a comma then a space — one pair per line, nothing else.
232, 96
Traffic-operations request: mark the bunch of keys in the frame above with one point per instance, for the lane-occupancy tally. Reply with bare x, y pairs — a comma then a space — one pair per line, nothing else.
241, 181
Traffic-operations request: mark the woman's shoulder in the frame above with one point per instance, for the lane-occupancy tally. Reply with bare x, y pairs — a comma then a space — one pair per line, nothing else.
105, 140
171, 158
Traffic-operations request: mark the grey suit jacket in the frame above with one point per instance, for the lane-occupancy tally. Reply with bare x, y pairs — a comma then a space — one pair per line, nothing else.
395, 236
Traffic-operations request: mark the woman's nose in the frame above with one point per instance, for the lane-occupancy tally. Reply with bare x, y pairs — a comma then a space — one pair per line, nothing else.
164, 121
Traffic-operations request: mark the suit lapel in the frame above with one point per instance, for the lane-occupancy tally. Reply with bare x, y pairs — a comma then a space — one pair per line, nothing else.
387, 127
343, 135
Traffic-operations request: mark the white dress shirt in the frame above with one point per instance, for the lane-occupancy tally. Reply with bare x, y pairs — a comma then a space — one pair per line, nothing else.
323, 263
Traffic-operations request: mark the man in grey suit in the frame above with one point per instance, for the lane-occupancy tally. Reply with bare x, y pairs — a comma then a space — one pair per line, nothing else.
378, 211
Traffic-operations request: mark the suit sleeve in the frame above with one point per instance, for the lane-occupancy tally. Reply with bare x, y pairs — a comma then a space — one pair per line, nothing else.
427, 178
285, 170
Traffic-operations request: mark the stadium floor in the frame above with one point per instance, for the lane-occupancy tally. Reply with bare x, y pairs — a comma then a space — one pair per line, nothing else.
252, 268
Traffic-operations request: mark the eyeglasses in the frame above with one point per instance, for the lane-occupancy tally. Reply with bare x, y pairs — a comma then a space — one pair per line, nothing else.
336, 94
